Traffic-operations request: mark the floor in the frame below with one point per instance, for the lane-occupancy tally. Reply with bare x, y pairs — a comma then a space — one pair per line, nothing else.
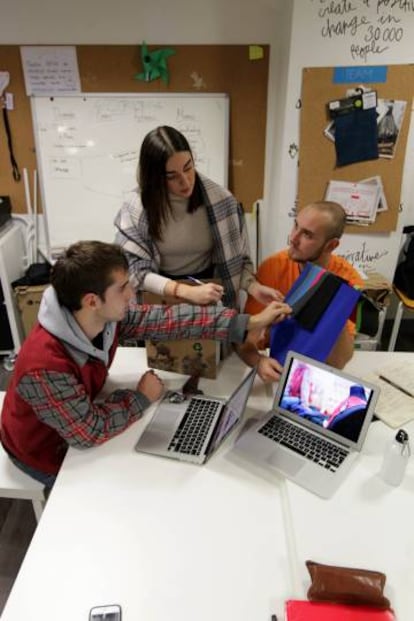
17, 521
17, 526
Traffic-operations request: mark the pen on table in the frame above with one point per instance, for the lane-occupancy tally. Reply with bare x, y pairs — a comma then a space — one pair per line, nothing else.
197, 282
385, 379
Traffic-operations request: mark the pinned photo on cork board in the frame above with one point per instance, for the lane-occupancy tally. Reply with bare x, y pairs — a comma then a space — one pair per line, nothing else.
390, 115
318, 157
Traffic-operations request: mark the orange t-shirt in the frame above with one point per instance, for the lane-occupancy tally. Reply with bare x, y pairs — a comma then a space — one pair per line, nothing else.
280, 272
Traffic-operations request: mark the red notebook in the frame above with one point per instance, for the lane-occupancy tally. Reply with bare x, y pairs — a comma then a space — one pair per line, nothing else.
302, 610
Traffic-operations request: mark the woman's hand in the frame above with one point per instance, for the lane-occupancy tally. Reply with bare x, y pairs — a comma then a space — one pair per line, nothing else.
208, 293
264, 294
273, 313
151, 386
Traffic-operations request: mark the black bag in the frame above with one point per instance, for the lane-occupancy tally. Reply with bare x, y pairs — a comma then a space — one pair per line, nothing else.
367, 315
36, 274
5, 209
404, 274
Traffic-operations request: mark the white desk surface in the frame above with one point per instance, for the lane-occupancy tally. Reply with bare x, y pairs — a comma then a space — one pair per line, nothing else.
180, 542
165, 540
367, 523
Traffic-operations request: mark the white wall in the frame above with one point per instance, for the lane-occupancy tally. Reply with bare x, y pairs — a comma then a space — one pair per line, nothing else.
132, 21
295, 31
276, 118
314, 44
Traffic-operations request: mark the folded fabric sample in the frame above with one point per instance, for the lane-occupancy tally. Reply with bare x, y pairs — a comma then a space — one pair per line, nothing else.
298, 610
321, 303
356, 137
311, 312
346, 585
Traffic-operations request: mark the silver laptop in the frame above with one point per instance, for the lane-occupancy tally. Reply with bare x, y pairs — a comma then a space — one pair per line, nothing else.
316, 428
193, 429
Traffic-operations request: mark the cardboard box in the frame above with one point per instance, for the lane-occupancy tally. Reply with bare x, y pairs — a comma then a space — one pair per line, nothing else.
28, 302
377, 288
183, 356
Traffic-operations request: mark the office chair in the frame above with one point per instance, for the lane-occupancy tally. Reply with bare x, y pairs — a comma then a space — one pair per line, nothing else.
16, 484
403, 283
404, 303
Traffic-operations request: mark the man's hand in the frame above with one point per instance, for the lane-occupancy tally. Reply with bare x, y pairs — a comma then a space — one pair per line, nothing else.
273, 313
264, 294
151, 386
268, 369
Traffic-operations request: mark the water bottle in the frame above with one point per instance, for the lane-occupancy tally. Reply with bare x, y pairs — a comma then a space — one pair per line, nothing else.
396, 459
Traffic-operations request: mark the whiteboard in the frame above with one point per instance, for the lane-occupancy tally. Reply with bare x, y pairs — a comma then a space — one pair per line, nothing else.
88, 147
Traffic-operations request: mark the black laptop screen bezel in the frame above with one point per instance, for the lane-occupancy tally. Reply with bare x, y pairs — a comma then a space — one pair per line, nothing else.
216, 440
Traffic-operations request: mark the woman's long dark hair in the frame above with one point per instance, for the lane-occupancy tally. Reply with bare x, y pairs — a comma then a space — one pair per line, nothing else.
158, 146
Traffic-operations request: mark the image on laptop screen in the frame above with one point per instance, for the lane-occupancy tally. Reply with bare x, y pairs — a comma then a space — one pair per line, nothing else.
325, 398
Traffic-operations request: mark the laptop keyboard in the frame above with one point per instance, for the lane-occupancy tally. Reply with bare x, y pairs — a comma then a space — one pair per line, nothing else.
315, 449
194, 427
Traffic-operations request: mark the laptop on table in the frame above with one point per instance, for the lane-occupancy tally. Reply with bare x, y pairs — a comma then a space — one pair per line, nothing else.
316, 428
193, 428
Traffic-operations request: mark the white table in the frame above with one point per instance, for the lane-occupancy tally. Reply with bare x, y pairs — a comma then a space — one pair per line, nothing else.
218, 542
166, 540
367, 523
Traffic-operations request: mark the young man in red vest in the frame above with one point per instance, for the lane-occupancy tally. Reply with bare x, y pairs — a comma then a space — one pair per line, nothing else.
63, 364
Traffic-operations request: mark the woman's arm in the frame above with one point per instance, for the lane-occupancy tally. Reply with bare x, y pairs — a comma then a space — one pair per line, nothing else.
264, 294
248, 282
206, 293
132, 235
144, 259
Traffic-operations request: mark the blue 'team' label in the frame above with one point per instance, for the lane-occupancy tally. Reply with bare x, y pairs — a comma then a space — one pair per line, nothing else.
348, 75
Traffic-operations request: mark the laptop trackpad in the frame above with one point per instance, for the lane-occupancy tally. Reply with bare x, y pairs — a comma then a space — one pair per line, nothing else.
167, 418
285, 462
159, 431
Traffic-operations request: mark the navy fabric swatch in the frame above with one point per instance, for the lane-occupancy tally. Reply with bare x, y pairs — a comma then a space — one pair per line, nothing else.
356, 137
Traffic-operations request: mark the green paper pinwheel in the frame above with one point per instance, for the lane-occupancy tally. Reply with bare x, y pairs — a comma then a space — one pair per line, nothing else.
154, 64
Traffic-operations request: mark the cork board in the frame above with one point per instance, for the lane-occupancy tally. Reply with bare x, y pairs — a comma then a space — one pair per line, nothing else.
317, 163
111, 69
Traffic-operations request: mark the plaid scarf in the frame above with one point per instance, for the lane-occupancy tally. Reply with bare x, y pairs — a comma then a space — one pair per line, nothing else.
231, 253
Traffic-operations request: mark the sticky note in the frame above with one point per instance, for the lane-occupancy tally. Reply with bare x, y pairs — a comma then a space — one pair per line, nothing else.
255, 52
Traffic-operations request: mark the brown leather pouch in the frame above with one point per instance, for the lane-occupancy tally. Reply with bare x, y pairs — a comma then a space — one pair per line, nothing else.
346, 585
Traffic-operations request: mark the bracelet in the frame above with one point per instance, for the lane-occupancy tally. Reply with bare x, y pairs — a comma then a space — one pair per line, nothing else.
174, 291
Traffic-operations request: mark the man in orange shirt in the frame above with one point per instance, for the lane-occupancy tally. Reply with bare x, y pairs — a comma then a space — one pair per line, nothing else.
315, 235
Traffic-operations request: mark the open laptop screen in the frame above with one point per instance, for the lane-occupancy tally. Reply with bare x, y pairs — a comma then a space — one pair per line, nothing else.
325, 397
232, 411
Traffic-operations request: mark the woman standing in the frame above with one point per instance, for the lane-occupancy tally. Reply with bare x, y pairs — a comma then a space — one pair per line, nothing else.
179, 223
